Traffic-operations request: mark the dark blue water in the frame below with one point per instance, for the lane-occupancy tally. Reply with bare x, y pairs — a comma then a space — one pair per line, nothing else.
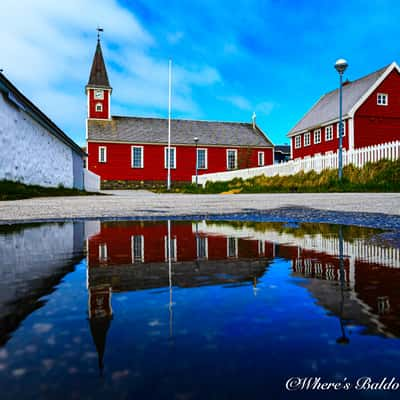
99, 310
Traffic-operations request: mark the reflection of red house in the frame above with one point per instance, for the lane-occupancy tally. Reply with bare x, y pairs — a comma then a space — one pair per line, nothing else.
128, 150
371, 110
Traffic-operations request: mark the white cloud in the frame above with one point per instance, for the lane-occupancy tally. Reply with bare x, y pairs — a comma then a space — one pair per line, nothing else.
238, 101
48, 54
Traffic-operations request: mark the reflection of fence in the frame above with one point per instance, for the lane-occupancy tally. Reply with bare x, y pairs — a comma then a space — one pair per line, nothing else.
357, 249
357, 157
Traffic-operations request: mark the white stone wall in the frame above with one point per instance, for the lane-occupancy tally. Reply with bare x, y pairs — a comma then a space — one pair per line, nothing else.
29, 153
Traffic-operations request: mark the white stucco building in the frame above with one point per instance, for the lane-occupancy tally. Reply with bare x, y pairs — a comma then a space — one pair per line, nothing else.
33, 149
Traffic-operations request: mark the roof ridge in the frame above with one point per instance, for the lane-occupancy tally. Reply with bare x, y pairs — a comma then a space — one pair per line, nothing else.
183, 119
381, 70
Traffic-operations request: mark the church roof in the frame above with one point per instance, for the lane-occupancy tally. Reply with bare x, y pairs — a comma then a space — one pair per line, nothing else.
98, 74
155, 130
327, 107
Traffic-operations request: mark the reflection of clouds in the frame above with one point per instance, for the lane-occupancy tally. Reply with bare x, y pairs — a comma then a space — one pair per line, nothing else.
3, 367
51, 340
31, 348
77, 339
42, 328
48, 363
3, 354
120, 298
119, 374
19, 372
88, 355
154, 322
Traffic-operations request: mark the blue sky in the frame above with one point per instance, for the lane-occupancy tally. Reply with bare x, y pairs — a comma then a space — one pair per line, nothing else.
230, 58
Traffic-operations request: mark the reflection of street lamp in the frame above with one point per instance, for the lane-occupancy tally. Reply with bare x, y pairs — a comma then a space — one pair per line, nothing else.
343, 339
196, 139
340, 67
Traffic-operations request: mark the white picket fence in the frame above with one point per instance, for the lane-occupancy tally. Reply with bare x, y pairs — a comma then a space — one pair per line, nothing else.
357, 157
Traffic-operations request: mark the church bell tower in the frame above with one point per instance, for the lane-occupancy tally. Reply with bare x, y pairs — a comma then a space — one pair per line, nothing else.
98, 89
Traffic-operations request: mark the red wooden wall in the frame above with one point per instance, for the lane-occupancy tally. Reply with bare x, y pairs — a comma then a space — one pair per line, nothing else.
375, 124
92, 105
118, 165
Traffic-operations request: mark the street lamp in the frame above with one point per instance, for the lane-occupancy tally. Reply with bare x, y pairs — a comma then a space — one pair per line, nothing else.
340, 67
196, 139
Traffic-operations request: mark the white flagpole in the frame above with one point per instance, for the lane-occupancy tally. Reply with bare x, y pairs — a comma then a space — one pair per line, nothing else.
169, 126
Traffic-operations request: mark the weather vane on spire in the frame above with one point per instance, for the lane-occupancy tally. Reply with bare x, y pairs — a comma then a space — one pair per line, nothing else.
98, 29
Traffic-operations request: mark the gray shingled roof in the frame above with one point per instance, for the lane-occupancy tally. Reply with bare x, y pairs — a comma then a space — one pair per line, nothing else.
155, 130
327, 107
98, 73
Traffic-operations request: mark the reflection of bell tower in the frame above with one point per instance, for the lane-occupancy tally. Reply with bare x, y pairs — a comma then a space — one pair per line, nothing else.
100, 316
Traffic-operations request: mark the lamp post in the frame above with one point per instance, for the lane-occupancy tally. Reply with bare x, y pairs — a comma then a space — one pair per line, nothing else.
196, 139
340, 67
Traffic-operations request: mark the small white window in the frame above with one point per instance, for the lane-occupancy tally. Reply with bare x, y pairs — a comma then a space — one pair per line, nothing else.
382, 99
102, 252
317, 136
338, 127
102, 154
231, 159
202, 162
260, 158
297, 142
173, 246
202, 247
137, 248
137, 156
99, 107
172, 160
329, 133
232, 247
307, 139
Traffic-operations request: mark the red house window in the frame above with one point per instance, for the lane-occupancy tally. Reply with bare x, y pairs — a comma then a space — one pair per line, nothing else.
382, 99
102, 154
317, 136
260, 158
307, 140
329, 133
297, 142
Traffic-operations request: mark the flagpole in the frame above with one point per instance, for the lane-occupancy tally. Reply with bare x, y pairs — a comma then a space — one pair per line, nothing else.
169, 126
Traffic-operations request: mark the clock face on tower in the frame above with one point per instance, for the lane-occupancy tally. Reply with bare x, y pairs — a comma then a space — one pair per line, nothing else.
99, 94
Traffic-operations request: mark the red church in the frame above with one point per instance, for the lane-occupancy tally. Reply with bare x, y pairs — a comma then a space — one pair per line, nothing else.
129, 152
371, 114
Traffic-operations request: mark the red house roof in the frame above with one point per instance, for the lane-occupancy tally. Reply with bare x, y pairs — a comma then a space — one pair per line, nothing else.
326, 109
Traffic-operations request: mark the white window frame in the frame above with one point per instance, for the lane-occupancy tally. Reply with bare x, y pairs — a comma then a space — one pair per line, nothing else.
307, 143
317, 133
329, 130
236, 249
99, 107
382, 99
104, 160
103, 252
297, 142
174, 246
205, 157
134, 259
344, 129
261, 247
227, 158
261, 162
173, 151
141, 158
205, 238
99, 91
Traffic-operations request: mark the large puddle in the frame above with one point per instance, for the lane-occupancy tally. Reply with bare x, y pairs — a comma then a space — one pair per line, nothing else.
195, 310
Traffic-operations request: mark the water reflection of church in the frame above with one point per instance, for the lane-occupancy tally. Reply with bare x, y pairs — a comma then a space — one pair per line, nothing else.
356, 281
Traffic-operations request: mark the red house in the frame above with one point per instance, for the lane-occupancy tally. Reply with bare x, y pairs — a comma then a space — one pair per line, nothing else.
132, 151
371, 113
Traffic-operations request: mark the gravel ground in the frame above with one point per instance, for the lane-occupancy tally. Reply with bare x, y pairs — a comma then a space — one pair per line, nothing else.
368, 209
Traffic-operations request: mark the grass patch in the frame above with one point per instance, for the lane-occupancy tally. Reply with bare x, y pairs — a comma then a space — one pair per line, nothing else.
16, 190
382, 176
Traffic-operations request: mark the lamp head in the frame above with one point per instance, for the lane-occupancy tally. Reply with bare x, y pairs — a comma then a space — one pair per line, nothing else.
341, 65
196, 139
